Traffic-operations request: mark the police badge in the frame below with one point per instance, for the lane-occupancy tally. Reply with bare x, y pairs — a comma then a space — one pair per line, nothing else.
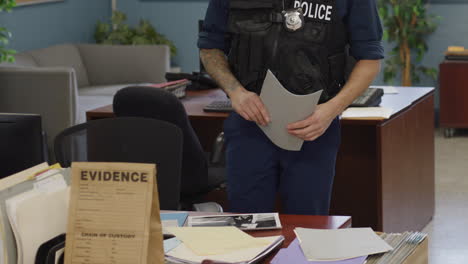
293, 19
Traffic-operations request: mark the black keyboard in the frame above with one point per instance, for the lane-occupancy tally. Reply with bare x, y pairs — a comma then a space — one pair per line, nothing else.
371, 97
219, 106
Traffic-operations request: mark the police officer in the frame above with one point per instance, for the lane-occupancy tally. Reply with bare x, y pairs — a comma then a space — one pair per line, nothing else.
305, 43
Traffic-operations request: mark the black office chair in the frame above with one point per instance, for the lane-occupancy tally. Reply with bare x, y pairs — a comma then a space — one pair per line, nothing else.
128, 139
199, 174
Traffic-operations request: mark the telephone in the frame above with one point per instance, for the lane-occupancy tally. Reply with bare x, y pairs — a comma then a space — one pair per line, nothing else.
200, 81
371, 97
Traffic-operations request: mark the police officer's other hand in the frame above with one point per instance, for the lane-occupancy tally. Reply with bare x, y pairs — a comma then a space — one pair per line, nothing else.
250, 106
315, 125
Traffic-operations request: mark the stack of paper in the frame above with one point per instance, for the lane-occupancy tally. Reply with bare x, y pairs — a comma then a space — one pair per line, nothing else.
340, 244
405, 244
172, 220
293, 254
367, 113
7, 247
26, 202
35, 218
223, 244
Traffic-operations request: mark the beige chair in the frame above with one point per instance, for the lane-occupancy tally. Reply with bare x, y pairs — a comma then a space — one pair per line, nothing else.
62, 82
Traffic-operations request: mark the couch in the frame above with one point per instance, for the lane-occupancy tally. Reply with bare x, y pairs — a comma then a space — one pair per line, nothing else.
63, 82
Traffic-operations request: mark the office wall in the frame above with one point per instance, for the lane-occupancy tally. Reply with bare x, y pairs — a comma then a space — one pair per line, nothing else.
452, 30
42, 25
73, 21
176, 19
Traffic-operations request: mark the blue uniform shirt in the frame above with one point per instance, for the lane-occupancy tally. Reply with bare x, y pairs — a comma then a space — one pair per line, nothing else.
360, 16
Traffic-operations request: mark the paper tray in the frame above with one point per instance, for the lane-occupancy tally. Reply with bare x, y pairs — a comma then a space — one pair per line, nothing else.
420, 254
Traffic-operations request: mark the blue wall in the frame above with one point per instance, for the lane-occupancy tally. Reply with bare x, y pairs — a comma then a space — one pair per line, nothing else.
42, 25
452, 31
176, 19
73, 21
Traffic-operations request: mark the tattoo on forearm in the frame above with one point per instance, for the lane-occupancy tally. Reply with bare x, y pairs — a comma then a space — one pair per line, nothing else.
217, 66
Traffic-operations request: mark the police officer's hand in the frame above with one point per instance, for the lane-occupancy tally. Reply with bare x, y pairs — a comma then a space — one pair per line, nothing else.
250, 106
315, 125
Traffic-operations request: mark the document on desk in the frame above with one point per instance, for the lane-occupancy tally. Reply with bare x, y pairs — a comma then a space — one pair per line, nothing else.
294, 254
340, 244
367, 113
285, 108
110, 213
205, 241
183, 254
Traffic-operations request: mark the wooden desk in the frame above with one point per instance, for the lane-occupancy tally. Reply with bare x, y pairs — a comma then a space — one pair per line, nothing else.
385, 168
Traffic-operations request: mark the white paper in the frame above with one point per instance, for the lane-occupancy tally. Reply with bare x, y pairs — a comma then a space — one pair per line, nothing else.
51, 184
9, 188
387, 89
367, 112
35, 218
170, 244
285, 108
242, 255
205, 241
40, 219
168, 223
340, 244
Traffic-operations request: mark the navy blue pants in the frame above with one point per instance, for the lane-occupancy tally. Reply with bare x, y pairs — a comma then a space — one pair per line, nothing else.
257, 170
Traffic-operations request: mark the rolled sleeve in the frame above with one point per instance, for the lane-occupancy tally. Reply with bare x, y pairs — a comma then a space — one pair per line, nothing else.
213, 33
365, 30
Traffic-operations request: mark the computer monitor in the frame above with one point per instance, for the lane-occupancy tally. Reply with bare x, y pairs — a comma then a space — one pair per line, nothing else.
21, 143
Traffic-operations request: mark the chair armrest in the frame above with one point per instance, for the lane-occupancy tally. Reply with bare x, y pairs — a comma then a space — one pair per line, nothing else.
217, 155
125, 64
210, 207
50, 92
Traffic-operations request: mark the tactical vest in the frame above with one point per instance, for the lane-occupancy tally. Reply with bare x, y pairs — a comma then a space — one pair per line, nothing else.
305, 61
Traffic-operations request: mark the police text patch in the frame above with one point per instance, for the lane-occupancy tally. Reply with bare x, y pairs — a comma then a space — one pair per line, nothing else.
320, 11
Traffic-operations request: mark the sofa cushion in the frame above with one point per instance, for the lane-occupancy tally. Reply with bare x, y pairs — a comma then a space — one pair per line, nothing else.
21, 60
103, 90
24, 60
116, 64
66, 55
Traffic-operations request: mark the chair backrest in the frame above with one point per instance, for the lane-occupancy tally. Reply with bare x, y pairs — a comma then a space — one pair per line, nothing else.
159, 104
137, 140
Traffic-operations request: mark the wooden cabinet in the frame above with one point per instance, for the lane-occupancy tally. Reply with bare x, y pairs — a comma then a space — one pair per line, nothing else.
453, 96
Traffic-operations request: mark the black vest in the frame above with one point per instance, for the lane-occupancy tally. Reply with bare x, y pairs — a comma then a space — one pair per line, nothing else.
305, 61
